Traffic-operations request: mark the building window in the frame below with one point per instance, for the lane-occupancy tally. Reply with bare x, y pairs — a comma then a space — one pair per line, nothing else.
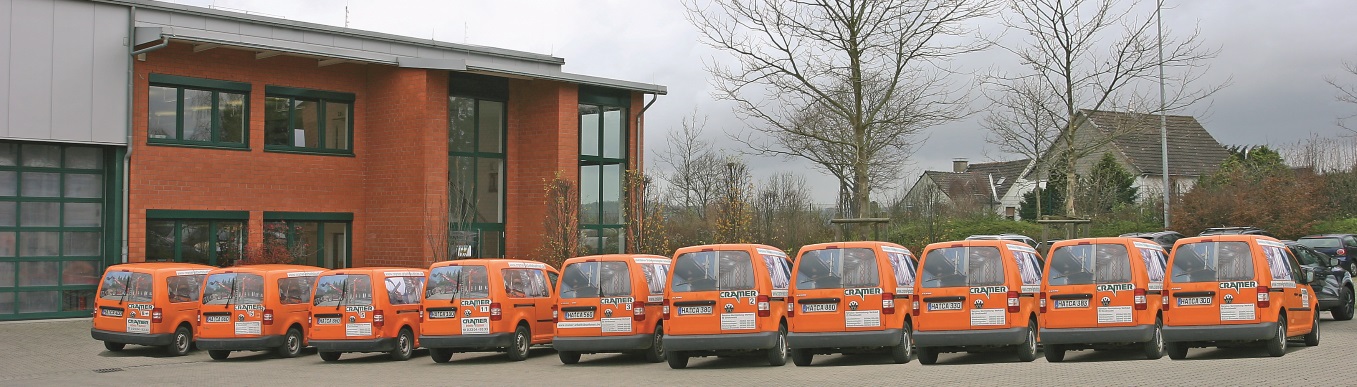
309, 121
475, 174
316, 239
194, 111
213, 238
603, 160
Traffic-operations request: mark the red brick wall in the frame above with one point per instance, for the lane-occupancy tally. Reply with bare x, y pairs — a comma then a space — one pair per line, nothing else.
543, 138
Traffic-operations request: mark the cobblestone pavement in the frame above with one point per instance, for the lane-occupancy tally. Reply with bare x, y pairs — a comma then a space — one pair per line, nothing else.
62, 353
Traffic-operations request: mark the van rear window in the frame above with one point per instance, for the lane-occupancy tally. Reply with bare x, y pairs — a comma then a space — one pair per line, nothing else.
295, 290
596, 279
837, 269
234, 288
343, 290
457, 282
184, 288
1321, 243
963, 266
1090, 264
1212, 261
713, 270
126, 286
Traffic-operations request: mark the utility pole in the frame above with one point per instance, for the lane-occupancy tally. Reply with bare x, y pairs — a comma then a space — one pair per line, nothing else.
1163, 115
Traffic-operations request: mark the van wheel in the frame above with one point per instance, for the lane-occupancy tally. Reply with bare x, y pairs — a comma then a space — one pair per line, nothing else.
1027, 351
218, 354
928, 356
1176, 351
292, 344
329, 356
1345, 312
1312, 338
182, 339
440, 355
802, 357
114, 347
777, 355
405, 345
656, 352
677, 360
568, 357
1154, 349
1055, 353
519, 350
903, 350
1277, 346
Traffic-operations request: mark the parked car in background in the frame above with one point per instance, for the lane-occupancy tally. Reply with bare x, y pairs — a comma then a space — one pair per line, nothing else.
1165, 239
1333, 283
1341, 246
1245, 230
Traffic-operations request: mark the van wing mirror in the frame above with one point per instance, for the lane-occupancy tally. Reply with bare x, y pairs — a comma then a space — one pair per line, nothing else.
1309, 276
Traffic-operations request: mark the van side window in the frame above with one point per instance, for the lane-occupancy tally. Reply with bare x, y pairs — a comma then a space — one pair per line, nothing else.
1154, 263
554, 279
1029, 268
779, 272
184, 288
1296, 271
656, 274
295, 290
903, 267
404, 290
1277, 263
525, 283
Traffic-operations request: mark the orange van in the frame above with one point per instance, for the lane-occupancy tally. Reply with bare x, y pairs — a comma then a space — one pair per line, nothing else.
369, 309
1225, 290
1103, 293
488, 305
611, 303
148, 304
843, 300
728, 298
977, 295
256, 308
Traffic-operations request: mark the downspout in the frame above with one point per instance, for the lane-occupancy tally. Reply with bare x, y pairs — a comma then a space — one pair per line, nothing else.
132, 53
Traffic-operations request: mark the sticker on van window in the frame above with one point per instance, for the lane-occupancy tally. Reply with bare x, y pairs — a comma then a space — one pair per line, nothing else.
137, 325
1284, 284
296, 274
616, 325
1031, 288
358, 308
1236, 312
988, 290
739, 293
527, 265
1264, 242
897, 250
777, 253
779, 293
653, 261
1021, 248
904, 291
403, 274
861, 292
191, 272
1236, 285
475, 302
476, 326
737, 321
358, 329
574, 324
862, 318
616, 300
249, 307
249, 328
655, 298
1156, 286
988, 317
1147, 245
1114, 314
1114, 288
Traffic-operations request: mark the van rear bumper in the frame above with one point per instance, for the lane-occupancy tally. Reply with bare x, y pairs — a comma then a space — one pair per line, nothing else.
603, 343
1232, 332
477, 342
1006, 336
736, 341
368, 345
132, 338
886, 338
241, 344
1131, 334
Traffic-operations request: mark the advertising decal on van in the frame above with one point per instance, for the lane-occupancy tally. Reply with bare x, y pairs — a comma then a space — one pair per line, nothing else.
296, 274
191, 272
737, 294
476, 325
1114, 288
861, 292
527, 265
1236, 285
989, 290
736, 321
616, 300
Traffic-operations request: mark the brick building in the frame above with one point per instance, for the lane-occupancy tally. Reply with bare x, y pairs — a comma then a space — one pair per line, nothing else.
218, 133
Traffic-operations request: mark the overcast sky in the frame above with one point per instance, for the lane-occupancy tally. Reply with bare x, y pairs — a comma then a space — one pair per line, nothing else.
1277, 54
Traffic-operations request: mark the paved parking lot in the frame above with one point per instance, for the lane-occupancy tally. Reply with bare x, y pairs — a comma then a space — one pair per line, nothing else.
62, 353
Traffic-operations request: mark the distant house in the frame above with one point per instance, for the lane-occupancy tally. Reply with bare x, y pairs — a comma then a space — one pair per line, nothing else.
993, 187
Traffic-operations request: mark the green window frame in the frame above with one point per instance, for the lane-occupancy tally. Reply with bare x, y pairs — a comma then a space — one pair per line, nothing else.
298, 231
171, 236
477, 165
228, 108
603, 161
286, 117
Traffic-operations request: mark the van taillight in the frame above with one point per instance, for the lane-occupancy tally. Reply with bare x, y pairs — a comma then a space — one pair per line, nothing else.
664, 310
268, 316
555, 313
887, 303
791, 308
1263, 297
1141, 303
638, 311
310, 320
1041, 302
157, 315
1013, 302
200, 320
915, 301
378, 319
764, 309
495, 312
1164, 299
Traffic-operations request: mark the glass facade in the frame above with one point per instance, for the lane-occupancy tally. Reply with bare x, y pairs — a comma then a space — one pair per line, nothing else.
309, 242
212, 242
603, 161
476, 161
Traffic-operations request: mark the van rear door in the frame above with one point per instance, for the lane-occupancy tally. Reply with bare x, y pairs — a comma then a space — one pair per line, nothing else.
713, 292
457, 301
343, 306
233, 305
1070, 287
1212, 283
963, 287
838, 290
125, 302
596, 299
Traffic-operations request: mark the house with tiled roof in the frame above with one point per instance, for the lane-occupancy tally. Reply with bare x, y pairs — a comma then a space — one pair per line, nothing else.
996, 187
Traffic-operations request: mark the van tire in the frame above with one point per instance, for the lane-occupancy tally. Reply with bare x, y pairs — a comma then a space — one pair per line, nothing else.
1277, 346
181, 342
518, 349
928, 356
405, 345
218, 354
292, 344
1176, 351
1027, 351
1055, 353
677, 360
114, 347
440, 355
1154, 349
904, 350
777, 355
802, 357
568, 357
1312, 338
329, 356
1345, 312
656, 352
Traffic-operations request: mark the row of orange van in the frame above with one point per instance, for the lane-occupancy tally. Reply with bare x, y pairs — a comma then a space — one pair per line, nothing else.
845, 297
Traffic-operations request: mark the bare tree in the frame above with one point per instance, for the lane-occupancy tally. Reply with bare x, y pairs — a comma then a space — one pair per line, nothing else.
733, 217
1346, 93
1098, 55
694, 167
844, 84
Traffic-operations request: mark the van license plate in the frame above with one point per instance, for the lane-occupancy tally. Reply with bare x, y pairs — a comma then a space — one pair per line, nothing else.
328, 321
111, 312
219, 319
1061, 304
579, 315
953, 305
686, 310
812, 308
443, 314
1190, 301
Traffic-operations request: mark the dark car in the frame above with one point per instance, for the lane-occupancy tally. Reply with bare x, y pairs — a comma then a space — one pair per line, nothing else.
1163, 238
1341, 246
1246, 230
1332, 283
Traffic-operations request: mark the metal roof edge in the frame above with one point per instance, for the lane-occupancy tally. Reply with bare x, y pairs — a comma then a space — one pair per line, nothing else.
577, 79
